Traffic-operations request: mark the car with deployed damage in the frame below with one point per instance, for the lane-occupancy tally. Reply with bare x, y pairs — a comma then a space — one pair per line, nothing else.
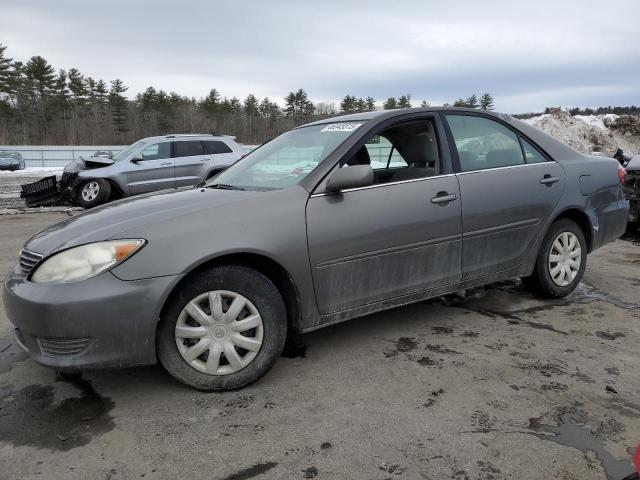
632, 188
150, 164
332, 220
11, 161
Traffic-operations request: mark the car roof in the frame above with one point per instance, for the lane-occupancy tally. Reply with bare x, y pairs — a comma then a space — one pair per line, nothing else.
384, 114
191, 136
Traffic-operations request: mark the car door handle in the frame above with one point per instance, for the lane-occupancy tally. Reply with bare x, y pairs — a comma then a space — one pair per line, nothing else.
205, 159
549, 180
444, 198
165, 163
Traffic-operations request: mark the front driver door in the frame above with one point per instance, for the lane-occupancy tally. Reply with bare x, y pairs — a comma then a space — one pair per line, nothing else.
153, 170
394, 238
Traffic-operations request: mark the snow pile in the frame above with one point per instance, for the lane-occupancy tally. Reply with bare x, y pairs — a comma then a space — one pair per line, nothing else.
591, 134
33, 171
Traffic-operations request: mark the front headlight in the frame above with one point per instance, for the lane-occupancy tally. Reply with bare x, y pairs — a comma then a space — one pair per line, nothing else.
85, 261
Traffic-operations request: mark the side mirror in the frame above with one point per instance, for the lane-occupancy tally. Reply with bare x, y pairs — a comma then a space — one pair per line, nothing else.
350, 177
137, 159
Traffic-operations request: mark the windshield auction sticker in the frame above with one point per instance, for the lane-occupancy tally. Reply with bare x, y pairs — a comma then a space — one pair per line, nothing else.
341, 127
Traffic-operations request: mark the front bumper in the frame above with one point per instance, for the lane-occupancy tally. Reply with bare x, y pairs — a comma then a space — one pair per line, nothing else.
102, 322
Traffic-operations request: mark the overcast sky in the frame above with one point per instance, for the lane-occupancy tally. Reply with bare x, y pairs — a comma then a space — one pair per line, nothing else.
527, 54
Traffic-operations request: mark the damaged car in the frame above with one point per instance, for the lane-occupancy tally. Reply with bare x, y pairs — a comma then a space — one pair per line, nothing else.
332, 220
632, 188
150, 164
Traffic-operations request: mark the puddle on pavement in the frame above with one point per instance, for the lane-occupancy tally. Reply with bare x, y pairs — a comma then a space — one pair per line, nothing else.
10, 352
571, 431
31, 416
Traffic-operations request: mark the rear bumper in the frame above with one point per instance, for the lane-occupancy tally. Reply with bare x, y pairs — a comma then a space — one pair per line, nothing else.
97, 323
609, 222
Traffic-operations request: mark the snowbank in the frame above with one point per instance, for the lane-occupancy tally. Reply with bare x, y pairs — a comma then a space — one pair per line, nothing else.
586, 133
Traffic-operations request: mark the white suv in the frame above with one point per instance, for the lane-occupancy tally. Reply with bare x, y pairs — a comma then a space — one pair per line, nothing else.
150, 164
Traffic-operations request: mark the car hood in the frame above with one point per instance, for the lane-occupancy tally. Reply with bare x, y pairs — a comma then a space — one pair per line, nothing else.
8, 161
82, 163
118, 217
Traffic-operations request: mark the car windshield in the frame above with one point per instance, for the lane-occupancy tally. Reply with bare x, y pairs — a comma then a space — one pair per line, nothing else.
286, 160
124, 154
9, 155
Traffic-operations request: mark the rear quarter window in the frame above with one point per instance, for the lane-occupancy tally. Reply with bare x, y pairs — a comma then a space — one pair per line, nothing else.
214, 147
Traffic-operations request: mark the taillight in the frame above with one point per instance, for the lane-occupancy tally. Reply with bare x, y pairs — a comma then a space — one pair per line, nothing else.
621, 174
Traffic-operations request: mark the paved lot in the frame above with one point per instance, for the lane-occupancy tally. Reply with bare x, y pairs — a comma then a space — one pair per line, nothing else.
495, 385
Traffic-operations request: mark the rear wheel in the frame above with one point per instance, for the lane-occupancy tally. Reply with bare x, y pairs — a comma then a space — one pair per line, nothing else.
561, 261
93, 193
224, 329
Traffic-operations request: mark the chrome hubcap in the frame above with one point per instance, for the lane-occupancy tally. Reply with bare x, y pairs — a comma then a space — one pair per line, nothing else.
90, 191
219, 332
564, 259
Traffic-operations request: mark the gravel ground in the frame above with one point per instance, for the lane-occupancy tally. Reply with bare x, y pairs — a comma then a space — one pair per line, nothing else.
495, 385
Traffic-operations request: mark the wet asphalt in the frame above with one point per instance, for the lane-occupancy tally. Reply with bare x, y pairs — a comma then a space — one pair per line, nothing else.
495, 384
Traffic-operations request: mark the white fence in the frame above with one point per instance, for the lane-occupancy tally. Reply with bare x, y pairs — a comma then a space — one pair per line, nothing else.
56, 156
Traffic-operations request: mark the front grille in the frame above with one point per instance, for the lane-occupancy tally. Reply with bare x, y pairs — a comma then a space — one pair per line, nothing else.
64, 347
28, 260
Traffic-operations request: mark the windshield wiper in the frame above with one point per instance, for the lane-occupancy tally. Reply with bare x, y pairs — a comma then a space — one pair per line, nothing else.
225, 186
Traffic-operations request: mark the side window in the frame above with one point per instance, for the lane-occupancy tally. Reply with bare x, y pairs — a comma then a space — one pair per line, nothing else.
531, 153
483, 143
188, 148
214, 147
403, 151
157, 151
383, 154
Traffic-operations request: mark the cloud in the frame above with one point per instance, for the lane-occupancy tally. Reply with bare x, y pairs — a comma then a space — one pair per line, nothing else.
528, 55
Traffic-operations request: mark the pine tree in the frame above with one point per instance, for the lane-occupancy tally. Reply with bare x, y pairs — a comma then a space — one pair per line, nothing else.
472, 101
425, 104
348, 104
78, 91
251, 105
40, 77
234, 105
390, 104
404, 101
361, 105
211, 104
6, 71
62, 99
371, 104
461, 102
486, 102
118, 105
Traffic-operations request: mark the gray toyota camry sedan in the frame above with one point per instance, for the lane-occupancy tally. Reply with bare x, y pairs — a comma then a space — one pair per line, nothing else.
329, 221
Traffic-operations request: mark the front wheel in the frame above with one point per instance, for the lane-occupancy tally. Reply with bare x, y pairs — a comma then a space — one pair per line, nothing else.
93, 193
223, 329
561, 261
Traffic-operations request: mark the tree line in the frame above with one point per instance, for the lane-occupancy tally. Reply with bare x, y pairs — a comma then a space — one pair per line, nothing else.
42, 105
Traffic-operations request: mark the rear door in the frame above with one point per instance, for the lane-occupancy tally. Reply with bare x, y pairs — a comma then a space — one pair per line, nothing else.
399, 236
508, 189
152, 169
191, 162
221, 155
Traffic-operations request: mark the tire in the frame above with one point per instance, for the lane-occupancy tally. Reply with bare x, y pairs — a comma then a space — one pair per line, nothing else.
546, 281
262, 297
93, 192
